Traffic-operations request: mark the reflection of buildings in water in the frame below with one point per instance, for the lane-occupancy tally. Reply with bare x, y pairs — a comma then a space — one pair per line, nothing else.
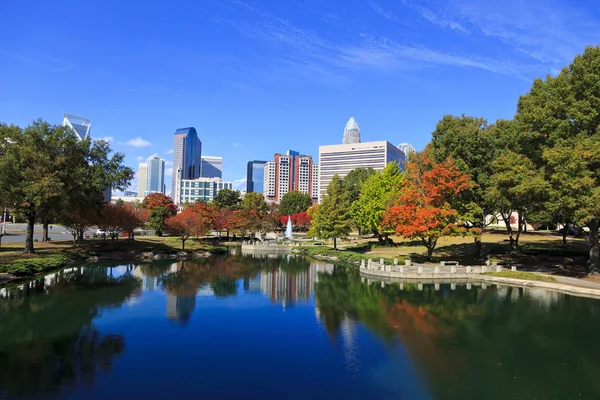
180, 307
149, 283
290, 287
349, 330
252, 285
205, 290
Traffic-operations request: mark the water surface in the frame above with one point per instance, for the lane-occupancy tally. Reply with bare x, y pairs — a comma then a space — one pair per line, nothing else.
288, 328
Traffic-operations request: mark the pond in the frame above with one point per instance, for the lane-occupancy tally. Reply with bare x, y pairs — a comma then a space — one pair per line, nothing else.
288, 328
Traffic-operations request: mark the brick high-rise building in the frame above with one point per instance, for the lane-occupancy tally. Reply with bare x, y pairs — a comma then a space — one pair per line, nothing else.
289, 172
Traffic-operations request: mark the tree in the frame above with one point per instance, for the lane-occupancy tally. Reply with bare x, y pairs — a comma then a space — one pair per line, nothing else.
155, 200
45, 168
255, 201
564, 111
157, 217
423, 210
294, 202
516, 186
182, 225
473, 146
223, 221
352, 183
160, 207
375, 196
204, 218
228, 199
332, 219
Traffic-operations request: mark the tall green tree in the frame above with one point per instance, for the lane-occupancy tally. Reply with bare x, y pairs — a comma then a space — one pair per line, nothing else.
333, 218
564, 111
473, 145
353, 182
516, 186
375, 196
228, 199
294, 202
44, 166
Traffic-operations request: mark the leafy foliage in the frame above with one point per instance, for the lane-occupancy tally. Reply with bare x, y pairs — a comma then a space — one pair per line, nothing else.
423, 210
228, 199
332, 218
294, 202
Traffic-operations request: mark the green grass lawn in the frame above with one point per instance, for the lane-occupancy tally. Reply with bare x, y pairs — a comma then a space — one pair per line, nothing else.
521, 275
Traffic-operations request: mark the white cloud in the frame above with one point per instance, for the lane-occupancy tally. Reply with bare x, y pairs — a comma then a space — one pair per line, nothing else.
168, 171
239, 184
107, 139
385, 14
140, 159
168, 163
170, 151
237, 144
138, 142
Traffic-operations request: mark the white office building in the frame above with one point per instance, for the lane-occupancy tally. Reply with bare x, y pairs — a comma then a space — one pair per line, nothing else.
340, 159
199, 189
212, 167
406, 148
269, 179
142, 177
80, 125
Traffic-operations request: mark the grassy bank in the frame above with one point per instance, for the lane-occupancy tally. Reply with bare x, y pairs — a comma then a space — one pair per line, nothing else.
54, 255
520, 275
350, 255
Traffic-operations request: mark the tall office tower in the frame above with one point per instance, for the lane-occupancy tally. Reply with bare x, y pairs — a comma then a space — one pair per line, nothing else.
351, 132
255, 176
155, 175
288, 172
142, 178
340, 159
212, 167
315, 182
269, 180
406, 148
80, 125
187, 154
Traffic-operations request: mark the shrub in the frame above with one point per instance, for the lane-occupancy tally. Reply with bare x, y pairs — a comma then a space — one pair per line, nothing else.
32, 266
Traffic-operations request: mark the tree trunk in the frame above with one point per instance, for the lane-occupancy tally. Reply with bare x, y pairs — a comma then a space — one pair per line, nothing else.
520, 225
509, 229
45, 231
379, 237
335, 243
29, 236
565, 232
182, 244
594, 261
477, 246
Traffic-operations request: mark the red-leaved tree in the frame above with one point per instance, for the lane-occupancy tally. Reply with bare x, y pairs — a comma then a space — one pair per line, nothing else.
155, 200
423, 208
182, 225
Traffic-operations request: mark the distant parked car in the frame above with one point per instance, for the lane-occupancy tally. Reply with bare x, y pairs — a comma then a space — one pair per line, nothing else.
572, 230
101, 232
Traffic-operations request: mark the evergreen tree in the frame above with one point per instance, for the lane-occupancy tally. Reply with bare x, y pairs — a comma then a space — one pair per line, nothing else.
333, 218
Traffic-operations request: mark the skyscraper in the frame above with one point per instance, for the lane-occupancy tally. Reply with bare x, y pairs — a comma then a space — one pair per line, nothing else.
187, 154
288, 172
255, 176
80, 125
406, 148
142, 177
351, 132
212, 167
155, 175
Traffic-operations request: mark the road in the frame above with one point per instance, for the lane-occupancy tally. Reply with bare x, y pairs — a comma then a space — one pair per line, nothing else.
15, 233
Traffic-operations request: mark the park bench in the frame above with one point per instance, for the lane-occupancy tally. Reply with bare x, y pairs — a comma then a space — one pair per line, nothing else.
444, 263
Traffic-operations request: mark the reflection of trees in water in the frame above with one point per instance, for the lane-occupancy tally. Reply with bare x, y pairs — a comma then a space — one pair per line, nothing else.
492, 343
47, 339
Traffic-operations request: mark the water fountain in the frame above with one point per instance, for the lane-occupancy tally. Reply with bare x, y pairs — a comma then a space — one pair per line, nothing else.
288, 229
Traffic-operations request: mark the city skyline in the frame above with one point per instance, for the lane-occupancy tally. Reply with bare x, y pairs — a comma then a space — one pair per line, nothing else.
289, 74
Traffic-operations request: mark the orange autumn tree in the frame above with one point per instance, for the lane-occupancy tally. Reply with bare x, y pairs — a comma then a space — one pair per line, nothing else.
182, 225
423, 208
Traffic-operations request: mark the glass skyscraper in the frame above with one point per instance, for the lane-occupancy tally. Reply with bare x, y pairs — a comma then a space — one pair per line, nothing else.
155, 175
187, 155
255, 176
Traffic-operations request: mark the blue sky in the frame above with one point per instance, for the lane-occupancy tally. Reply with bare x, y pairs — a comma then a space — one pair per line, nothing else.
260, 77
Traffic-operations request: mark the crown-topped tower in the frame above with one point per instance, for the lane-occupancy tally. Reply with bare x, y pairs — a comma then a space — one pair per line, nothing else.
352, 132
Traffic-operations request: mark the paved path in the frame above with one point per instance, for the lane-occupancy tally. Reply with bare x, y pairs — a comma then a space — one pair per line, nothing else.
576, 282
